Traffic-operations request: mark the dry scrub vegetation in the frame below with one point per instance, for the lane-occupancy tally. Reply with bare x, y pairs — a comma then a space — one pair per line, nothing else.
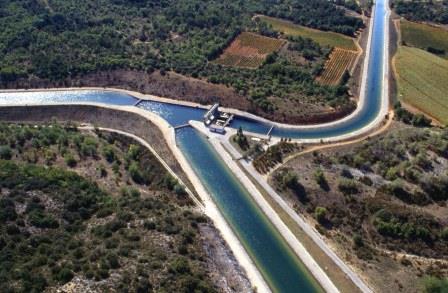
93, 211
383, 203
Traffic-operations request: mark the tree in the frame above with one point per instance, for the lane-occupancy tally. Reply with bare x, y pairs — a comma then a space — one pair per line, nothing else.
70, 160
241, 139
319, 176
345, 77
290, 180
320, 214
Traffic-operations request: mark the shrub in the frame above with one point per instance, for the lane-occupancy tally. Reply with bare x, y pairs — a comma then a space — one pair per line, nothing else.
133, 152
7, 210
103, 171
12, 230
420, 120
357, 240
88, 147
436, 187
366, 180
150, 225
70, 160
444, 234
320, 213
390, 225
112, 259
134, 171
64, 275
407, 117
169, 181
5, 152
134, 192
101, 274
179, 189
436, 51
392, 173
290, 180
109, 153
116, 168
41, 220
104, 212
422, 161
180, 265
49, 156
411, 174
434, 285
348, 186
319, 176
346, 173
144, 285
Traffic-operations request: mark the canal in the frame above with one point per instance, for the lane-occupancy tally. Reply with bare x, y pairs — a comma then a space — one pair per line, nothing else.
278, 264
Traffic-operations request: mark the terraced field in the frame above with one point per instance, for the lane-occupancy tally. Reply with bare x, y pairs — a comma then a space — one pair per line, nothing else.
423, 81
249, 50
330, 39
423, 36
339, 61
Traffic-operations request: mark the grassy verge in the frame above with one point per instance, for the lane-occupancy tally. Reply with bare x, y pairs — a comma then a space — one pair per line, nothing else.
423, 81
424, 36
330, 39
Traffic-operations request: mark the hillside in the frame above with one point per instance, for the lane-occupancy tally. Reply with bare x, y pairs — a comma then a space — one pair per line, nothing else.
381, 203
431, 11
93, 212
145, 45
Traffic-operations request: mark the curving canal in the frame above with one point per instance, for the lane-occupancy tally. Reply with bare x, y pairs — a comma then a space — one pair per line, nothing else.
281, 268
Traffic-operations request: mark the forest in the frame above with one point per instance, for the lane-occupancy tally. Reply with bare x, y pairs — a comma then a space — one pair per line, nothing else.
56, 40
433, 11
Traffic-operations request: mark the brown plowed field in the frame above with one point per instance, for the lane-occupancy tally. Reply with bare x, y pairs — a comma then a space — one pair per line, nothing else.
339, 61
249, 50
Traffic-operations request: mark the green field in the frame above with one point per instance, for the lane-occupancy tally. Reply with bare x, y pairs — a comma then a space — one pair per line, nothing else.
423, 81
322, 37
424, 36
